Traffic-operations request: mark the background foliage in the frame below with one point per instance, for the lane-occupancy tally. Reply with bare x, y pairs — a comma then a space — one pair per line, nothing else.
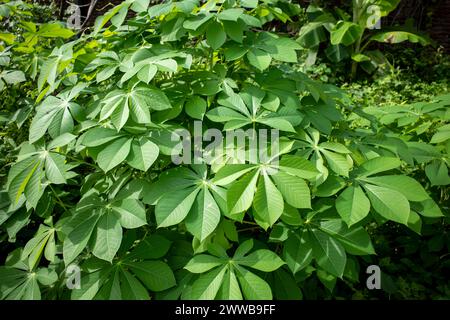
86, 168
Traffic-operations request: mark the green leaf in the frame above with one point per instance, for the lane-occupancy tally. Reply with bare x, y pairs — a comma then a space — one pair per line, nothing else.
48, 72
131, 288
407, 186
337, 162
156, 275
356, 241
20, 175
360, 57
147, 73
230, 14
89, 286
259, 59
337, 53
197, 21
78, 238
298, 167
143, 154
253, 287
263, 260
108, 237
400, 36
114, 154
152, 247
249, 3
173, 207
388, 203
235, 52
352, 205
131, 213
196, 107
204, 216
54, 30
284, 286
140, 5
437, 173
201, 263
215, 35
295, 191
230, 173
55, 168
313, 33
230, 287
380, 164
345, 33
297, 251
240, 194
47, 113
268, 202
97, 136
329, 253
120, 116
208, 284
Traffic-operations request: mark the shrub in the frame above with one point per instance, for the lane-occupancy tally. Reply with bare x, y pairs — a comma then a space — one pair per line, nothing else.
97, 185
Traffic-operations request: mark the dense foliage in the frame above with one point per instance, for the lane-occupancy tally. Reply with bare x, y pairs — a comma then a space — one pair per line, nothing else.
89, 180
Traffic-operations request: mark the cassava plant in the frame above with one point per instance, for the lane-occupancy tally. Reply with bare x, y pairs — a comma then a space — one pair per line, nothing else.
101, 184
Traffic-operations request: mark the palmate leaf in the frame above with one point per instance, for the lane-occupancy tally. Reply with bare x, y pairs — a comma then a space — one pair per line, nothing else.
21, 284
334, 153
112, 149
240, 194
100, 224
295, 191
130, 279
239, 110
42, 243
137, 102
388, 195
36, 168
193, 201
230, 289
256, 187
55, 115
227, 278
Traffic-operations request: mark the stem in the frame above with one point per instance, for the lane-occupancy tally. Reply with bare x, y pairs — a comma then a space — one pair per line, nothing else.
248, 229
211, 60
357, 7
58, 199
355, 63
249, 222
